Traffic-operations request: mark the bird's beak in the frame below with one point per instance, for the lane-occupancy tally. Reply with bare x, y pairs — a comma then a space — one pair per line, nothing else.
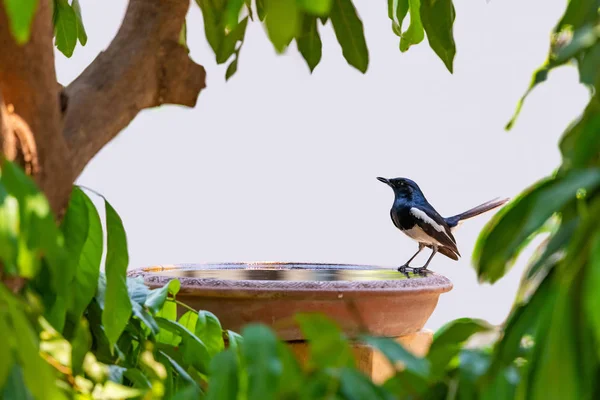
380, 179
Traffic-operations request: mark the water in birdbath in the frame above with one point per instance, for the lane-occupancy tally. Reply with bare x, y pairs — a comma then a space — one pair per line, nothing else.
286, 272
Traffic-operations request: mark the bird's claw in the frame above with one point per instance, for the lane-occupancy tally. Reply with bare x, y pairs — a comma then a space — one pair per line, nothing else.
420, 271
402, 268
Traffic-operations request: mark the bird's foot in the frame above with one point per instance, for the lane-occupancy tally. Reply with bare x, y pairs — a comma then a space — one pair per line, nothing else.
403, 268
420, 271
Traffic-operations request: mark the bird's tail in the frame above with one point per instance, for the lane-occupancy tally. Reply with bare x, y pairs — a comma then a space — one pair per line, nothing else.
475, 211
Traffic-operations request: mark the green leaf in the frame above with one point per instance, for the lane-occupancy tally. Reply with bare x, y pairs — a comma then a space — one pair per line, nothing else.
9, 230
349, 32
261, 362
328, 345
39, 235
75, 228
157, 297
165, 359
80, 345
396, 353
113, 391
235, 341
282, 22
140, 313
505, 235
319, 8
213, 14
66, 27
591, 294
448, 340
87, 271
189, 320
309, 42
15, 387
232, 13
137, 378
437, 17
192, 348
539, 76
81, 35
20, 15
292, 380
208, 329
356, 386
401, 11
261, 9
415, 33
229, 42
117, 306
224, 377
37, 374
169, 311
231, 69
580, 145
183, 36
6, 350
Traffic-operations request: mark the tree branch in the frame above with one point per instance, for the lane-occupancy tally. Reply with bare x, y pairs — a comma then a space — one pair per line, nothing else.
31, 108
143, 67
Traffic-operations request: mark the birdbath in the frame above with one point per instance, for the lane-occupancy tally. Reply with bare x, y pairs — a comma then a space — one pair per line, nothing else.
361, 299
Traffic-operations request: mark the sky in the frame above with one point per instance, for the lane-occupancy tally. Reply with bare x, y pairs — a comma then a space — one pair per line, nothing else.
279, 164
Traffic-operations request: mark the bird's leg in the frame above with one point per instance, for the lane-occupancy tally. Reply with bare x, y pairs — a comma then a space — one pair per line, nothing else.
406, 264
424, 267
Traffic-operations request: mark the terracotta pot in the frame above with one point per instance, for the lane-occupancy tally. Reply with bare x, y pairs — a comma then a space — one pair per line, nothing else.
381, 301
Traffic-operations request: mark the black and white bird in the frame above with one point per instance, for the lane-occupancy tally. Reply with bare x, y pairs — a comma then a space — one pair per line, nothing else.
415, 217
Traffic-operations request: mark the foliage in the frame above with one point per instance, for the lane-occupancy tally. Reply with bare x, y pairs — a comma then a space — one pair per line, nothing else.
93, 334
225, 23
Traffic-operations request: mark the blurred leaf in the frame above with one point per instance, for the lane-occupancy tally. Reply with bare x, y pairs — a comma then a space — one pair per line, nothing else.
292, 380
591, 294
556, 360
235, 341
448, 340
396, 353
525, 319
189, 392
228, 43
113, 391
415, 33
115, 373
9, 230
349, 32
66, 25
316, 7
140, 313
504, 236
117, 306
37, 374
208, 329
193, 350
15, 387
20, 15
356, 386
261, 361
137, 378
328, 346
6, 350
309, 42
81, 34
282, 22
589, 64
87, 271
137, 289
437, 17
157, 297
80, 345
38, 232
223, 377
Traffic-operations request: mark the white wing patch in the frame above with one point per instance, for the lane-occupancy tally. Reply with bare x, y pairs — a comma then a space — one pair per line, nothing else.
422, 215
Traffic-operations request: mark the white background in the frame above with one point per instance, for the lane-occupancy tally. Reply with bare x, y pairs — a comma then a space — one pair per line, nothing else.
279, 164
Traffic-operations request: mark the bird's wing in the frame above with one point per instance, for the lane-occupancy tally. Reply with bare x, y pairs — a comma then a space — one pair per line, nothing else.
435, 226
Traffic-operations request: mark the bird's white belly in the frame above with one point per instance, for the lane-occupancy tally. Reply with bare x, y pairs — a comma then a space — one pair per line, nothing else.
418, 234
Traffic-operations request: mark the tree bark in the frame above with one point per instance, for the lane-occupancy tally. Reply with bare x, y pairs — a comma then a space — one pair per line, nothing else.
28, 86
143, 67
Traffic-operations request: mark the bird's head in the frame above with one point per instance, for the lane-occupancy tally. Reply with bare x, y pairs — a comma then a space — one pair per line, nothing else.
402, 187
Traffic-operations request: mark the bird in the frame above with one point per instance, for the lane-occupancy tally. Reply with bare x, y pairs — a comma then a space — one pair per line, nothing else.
415, 217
